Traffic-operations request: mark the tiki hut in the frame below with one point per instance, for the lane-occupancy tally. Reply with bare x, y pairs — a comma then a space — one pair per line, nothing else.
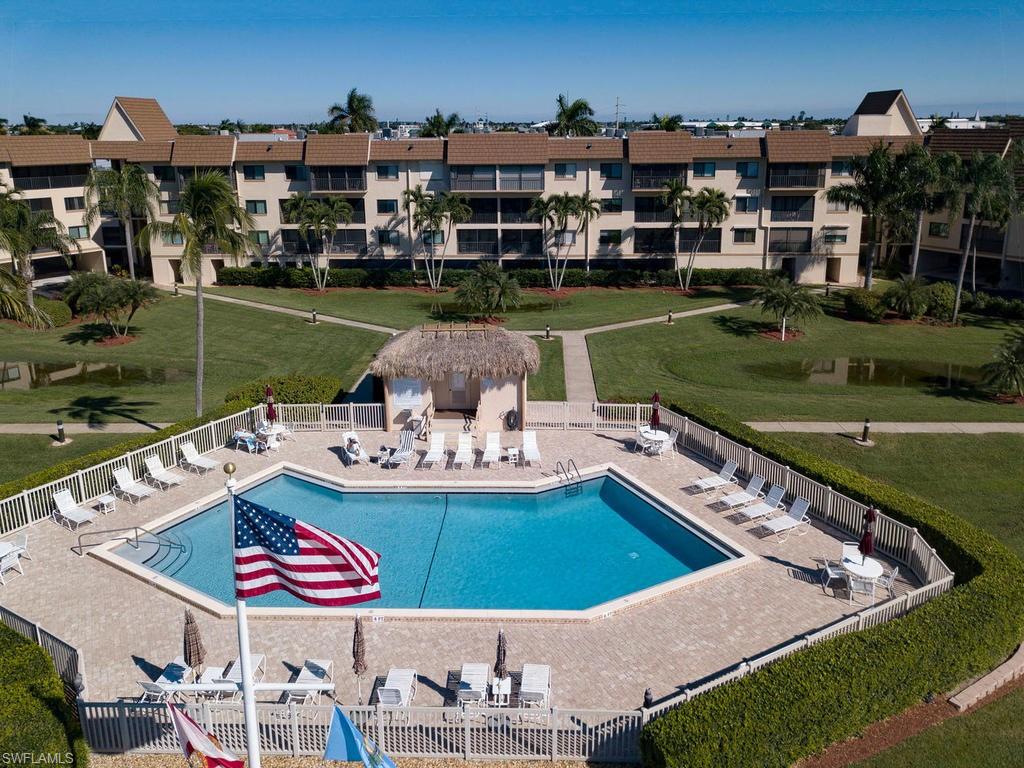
466, 374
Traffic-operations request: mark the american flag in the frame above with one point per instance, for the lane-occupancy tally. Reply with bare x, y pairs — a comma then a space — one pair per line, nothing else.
274, 551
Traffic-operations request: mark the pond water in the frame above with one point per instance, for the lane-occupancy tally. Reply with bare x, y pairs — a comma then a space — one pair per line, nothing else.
873, 371
20, 375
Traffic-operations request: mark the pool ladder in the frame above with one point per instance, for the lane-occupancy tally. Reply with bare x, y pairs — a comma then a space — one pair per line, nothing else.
565, 472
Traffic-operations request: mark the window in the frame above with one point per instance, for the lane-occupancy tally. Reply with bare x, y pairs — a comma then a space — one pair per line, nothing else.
78, 233
746, 235
39, 204
611, 205
703, 169
256, 207
173, 238
170, 207
611, 170
836, 206
260, 237
388, 237
295, 172
747, 204
938, 229
164, 173
387, 172
789, 240
566, 170
840, 167
566, 237
253, 172
74, 203
610, 237
436, 237
833, 235
712, 242
748, 170
387, 207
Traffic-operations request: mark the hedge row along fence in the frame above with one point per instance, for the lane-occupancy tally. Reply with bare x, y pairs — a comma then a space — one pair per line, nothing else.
831, 691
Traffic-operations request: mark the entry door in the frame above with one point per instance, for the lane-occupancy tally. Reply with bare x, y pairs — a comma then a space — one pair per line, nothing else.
457, 389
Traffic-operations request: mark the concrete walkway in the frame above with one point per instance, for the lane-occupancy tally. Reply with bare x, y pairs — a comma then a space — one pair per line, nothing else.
894, 427
81, 428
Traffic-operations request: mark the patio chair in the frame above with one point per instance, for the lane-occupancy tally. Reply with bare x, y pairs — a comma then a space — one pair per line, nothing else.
851, 551
749, 494
796, 521
278, 429
10, 562
157, 473
862, 586
831, 572
726, 476
20, 542
313, 672
193, 460
771, 504
464, 452
399, 688
405, 449
436, 454
212, 675
68, 512
473, 684
359, 454
640, 443
535, 689
233, 673
152, 693
531, 453
249, 441
888, 581
492, 450
176, 672
128, 487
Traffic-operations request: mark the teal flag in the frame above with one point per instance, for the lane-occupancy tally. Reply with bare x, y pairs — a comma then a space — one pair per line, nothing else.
347, 744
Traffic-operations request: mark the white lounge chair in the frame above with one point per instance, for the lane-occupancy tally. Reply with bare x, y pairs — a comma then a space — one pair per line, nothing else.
176, 672
796, 520
405, 448
157, 473
436, 454
473, 684
193, 460
888, 581
531, 453
233, 673
726, 476
128, 487
492, 450
313, 672
535, 690
399, 688
68, 511
152, 693
212, 675
360, 453
464, 452
10, 562
749, 494
771, 504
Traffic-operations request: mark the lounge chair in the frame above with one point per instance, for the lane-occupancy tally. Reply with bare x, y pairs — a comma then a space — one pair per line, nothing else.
436, 453
152, 693
20, 542
888, 581
832, 572
531, 453
257, 661
535, 690
313, 672
405, 448
128, 487
176, 672
795, 520
473, 684
249, 441
193, 460
157, 473
212, 675
492, 450
749, 494
726, 476
771, 504
464, 452
399, 688
10, 562
360, 453
68, 511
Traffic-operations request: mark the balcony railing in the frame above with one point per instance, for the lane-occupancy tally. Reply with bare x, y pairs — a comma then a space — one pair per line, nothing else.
483, 249
789, 247
515, 217
337, 184
646, 181
469, 184
653, 217
521, 184
792, 215
807, 180
49, 182
483, 217
520, 249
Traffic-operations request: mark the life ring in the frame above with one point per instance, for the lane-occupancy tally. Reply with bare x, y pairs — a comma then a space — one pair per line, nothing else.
512, 420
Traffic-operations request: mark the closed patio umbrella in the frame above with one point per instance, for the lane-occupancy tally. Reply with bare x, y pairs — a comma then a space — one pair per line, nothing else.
500, 668
271, 411
656, 411
867, 539
359, 656
194, 651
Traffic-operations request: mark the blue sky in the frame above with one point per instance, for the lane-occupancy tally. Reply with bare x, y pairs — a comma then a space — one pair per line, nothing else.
288, 60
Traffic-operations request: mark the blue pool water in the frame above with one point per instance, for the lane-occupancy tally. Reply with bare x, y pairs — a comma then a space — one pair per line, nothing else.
561, 549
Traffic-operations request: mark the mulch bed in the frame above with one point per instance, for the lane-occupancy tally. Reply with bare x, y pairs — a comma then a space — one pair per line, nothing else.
115, 341
776, 335
1009, 399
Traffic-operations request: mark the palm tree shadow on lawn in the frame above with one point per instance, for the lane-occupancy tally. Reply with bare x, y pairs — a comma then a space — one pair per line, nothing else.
91, 333
98, 410
744, 327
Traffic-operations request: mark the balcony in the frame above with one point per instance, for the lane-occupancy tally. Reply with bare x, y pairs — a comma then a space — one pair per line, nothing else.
472, 184
653, 217
655, 183
789, 246
483, 217
337, 183
521, 184
479, 249
516, 217
792, 215
25, 183
799, 180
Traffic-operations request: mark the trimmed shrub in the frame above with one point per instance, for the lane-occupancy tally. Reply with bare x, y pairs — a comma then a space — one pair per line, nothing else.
862, 304
294, 388
941, 297
861, 677
58, 311
993, 306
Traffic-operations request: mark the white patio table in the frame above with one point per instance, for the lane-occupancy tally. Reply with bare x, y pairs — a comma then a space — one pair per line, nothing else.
862, 568
654, 435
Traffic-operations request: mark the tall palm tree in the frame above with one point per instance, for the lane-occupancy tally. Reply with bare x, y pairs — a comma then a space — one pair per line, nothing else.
667, 122
1005, 372
438, 126
783, 299
588, 210
709, 208
676, 196
209, 216
23, 231
356, 113
32, 126
574, 118
563, 208
542, 210
873, 193
128, 193
319, 218
455, 209
917, 175
424, 216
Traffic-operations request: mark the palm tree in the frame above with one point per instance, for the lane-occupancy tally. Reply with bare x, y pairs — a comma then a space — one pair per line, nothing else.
128, 193
1006, 371
709, 208
425, 216
908, 296
209, 216
488, 289
783, 299
917, 175
23, 231
667, 122
542, 210
563, 208
588, 210
438, 126
574, 118
3, 126
455, 209
14, 305
676, 196
938, 123
873, 193
356, 113
319, 218
32, 126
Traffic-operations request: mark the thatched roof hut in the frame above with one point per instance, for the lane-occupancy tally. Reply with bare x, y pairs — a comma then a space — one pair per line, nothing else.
478, 351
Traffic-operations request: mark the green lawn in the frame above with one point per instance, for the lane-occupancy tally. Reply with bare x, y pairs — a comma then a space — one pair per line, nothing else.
158, 383
25, 454
721, 359
405, 308
549, 382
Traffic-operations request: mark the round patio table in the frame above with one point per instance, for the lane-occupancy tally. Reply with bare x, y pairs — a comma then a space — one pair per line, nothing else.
654, 435
6, 548
862, 568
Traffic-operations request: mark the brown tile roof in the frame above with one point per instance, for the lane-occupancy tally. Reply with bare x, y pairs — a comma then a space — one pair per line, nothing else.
44, 150
660, 147
407, 149
269, 151
798, 146
581, 148
858, 146
338, 149
203, 151
497, 148
724, 147
966, 142
148, 117
877, 102
132, 151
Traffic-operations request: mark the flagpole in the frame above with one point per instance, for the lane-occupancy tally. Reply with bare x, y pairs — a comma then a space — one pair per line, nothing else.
252, 738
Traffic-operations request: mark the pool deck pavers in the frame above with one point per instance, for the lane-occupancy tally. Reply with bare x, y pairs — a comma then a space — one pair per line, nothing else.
128, 629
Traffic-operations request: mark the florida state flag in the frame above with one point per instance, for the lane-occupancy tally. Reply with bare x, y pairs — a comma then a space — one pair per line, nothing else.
195, 741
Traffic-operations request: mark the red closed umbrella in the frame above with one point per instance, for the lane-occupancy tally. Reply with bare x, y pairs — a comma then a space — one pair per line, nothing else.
271, 411
867, 539
656, 411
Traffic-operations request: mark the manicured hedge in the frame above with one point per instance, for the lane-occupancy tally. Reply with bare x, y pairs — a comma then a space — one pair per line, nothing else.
862, 304
58, 311
982, 303
34, 717
294, 388
831, 691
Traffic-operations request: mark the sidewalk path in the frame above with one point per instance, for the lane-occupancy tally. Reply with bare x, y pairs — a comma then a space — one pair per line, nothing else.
895, 427
81, 428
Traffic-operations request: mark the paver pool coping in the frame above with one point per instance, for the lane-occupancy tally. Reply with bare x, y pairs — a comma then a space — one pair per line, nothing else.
738, 556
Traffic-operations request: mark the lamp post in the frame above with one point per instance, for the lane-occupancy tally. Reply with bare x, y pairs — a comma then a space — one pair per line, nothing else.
865, 436
61, 437
547, 332
314, 316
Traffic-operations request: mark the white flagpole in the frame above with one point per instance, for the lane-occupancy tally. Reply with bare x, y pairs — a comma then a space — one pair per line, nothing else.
252, 738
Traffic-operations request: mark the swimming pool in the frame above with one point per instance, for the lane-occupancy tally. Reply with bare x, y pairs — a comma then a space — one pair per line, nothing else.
565, 548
